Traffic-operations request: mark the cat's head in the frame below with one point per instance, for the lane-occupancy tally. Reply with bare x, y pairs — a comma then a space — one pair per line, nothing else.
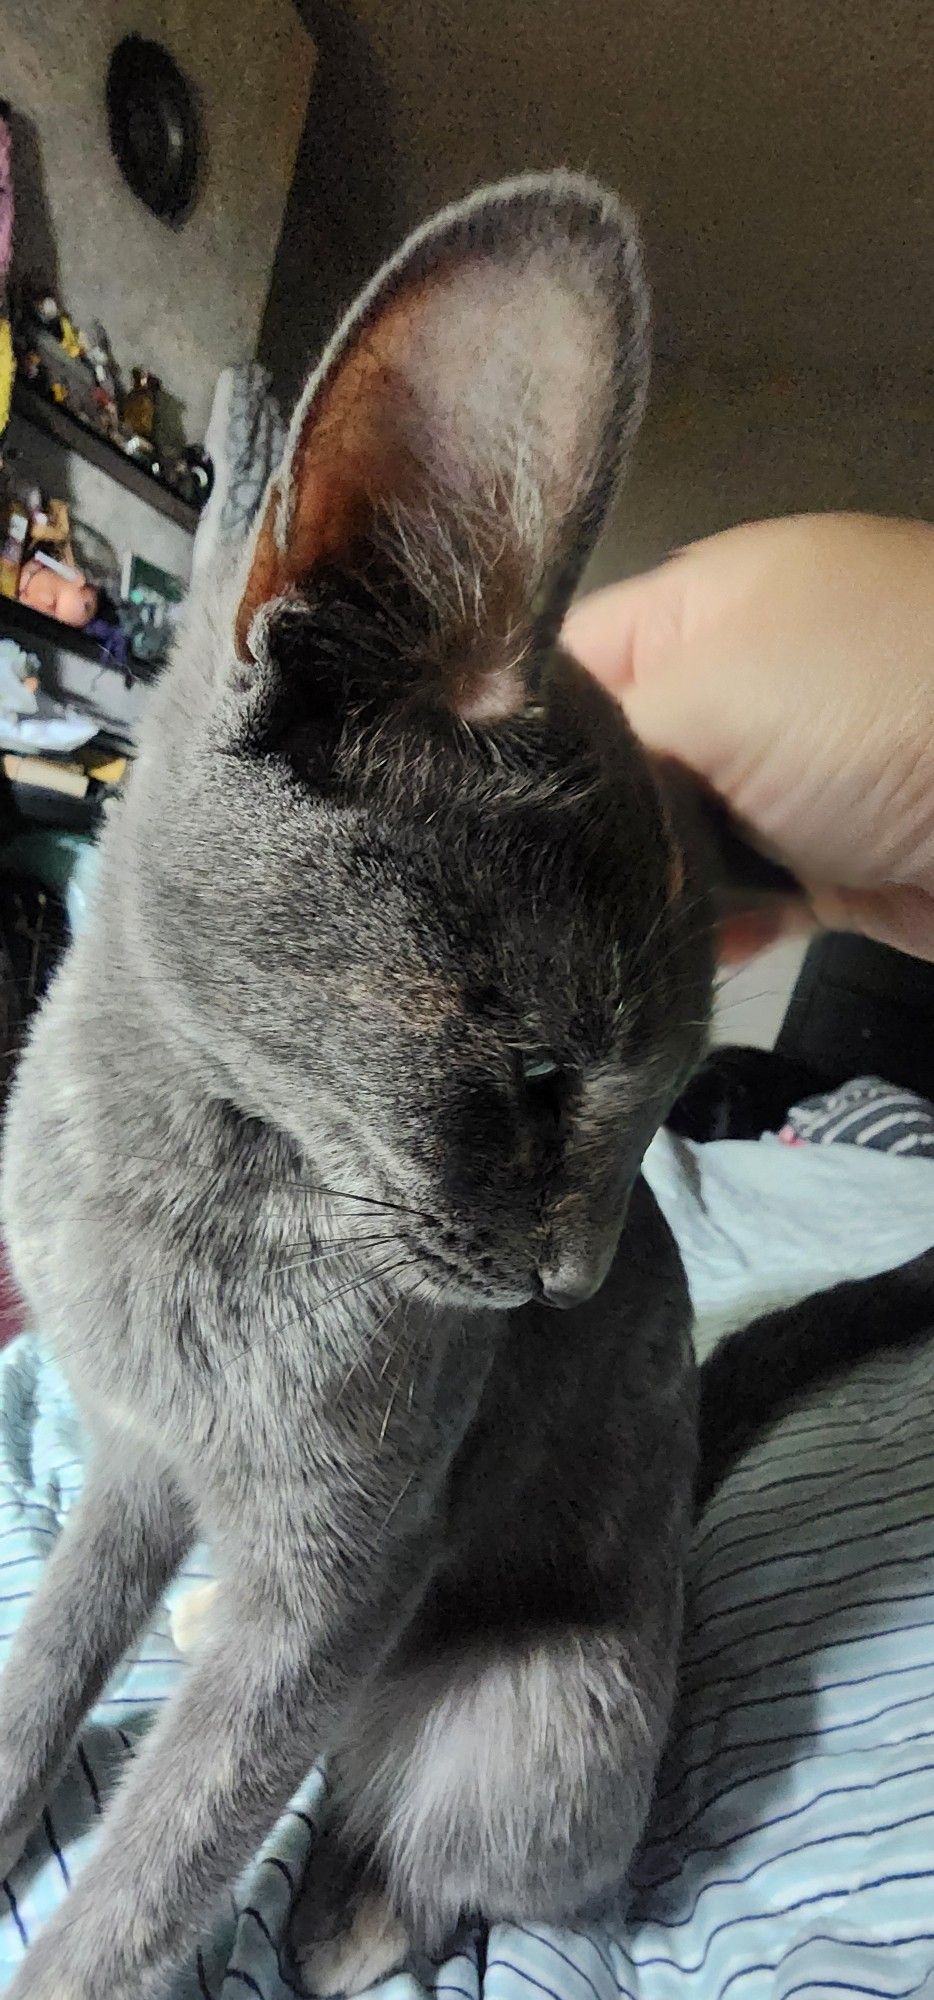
433, 916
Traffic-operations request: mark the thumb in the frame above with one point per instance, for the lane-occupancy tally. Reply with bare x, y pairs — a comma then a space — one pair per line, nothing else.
637, 639
620, 632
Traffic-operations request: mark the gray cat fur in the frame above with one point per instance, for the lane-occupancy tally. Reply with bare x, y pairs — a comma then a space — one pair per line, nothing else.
288, 1190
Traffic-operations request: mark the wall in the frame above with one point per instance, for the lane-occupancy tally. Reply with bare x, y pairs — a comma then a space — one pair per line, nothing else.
782, 155
715, 451
185, 300
343, 210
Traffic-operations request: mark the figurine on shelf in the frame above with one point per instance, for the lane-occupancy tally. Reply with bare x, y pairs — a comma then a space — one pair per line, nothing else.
33, 370
191, 474
144, 453
7, 366
74, 343
106, 418
105, 394
44, 309
139, 405
101, 358
67, 368
50, 529
47, 317
58, 360
14, 529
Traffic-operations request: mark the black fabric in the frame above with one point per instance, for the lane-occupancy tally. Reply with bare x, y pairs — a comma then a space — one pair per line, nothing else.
858, 1009
740, 1093
33, 935
862, 1009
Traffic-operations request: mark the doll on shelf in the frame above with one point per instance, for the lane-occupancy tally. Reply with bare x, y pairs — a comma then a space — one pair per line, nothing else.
57, 590
60, 592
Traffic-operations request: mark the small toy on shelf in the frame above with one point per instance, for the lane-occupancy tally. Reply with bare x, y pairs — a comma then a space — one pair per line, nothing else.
139, 405
50, 528
74, 343
53, 330
14, 528
79, 373
149, 611
106, 392
7, 368
33, 370
43, 309
144, 453
192, 475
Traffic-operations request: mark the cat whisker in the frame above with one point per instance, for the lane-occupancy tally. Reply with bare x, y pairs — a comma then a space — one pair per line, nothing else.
676, 913
343, 1291
384, 1426
405, 1352
360, 1358
400, 1496
372, 1201
745, 999
320, 1253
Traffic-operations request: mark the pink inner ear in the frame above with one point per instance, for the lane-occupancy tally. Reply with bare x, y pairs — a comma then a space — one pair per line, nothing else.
327, 511
349, 455
451, 436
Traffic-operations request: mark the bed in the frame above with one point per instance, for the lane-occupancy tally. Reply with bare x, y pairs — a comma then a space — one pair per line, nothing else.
791, 1846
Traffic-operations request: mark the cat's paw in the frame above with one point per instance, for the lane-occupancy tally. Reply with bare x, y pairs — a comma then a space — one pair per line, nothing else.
13, 1839
372, 1945
190, 1618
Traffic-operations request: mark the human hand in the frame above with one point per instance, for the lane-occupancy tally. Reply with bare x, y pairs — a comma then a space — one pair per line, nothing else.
791, 665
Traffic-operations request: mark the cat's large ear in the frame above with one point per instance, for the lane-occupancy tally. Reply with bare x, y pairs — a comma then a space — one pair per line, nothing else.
463, 435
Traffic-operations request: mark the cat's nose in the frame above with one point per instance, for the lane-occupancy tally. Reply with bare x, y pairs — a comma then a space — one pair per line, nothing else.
574, 1262
565, 1292
573, 1279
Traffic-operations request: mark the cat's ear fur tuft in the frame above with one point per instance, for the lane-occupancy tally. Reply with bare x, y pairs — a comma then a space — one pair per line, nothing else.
464, 432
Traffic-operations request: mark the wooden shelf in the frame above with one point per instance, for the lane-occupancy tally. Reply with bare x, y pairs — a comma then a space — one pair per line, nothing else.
33, 628
59, 423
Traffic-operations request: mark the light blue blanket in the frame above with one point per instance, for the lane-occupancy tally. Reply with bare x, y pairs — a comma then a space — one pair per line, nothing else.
792, 1845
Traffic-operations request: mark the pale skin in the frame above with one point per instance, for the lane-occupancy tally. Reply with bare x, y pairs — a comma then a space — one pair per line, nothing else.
791, 664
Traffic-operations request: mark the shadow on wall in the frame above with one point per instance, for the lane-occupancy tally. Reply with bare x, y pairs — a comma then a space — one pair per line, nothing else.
35, 252
340, 219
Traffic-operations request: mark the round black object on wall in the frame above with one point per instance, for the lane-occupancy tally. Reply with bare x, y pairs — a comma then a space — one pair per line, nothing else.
152, 113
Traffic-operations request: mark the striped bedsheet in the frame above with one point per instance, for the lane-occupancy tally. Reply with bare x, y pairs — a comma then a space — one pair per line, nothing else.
791, 1850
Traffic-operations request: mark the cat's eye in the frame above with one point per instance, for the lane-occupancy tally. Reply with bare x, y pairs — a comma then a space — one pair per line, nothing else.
538, 1066
541, 1081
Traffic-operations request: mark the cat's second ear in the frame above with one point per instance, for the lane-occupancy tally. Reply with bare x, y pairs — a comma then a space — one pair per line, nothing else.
457, 448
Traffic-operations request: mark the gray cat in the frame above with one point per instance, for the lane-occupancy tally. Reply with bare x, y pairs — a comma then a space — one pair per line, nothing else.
396, 961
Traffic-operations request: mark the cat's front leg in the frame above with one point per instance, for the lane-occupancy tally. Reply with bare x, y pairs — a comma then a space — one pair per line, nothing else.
120, 1545
261, 1702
